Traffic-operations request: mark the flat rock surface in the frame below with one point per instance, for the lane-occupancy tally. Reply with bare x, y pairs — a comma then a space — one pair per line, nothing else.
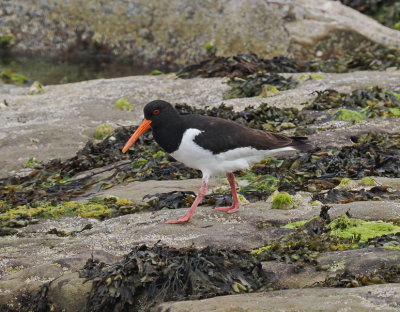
59, 122
369, 298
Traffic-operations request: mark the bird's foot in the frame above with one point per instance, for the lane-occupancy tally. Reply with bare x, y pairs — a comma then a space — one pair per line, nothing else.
180, 220
231, 209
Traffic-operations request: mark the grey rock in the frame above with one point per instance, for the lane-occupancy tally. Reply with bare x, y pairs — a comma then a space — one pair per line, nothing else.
58, 122
176, 31
370, 298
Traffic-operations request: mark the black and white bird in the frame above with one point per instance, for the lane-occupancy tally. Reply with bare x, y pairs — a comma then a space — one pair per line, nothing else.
212, 145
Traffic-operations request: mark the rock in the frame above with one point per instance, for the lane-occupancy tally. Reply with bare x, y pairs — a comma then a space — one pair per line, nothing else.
375, 210
370, 298
176, 32
33, 257
36, 125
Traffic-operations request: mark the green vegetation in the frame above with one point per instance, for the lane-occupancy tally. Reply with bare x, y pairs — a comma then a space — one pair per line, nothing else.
345, 182
13, 78
390, 247
368, 181
103, 131
32, 163
345, 227
342, 233
156, 72
349, 115
6, 41
317, 76
160, 153
210, 48
296, 224
282, 200
139, 163
96, 208
260, 183
123, 104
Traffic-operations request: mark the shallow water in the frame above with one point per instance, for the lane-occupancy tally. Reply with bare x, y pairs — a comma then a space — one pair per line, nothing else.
50, 70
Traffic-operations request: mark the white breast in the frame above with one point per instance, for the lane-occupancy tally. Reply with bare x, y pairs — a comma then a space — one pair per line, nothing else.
194, 156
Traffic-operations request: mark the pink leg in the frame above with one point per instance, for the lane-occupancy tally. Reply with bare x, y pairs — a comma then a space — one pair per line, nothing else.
190, 213
235, 200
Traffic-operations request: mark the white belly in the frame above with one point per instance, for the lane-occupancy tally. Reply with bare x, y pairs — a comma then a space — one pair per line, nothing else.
194, 156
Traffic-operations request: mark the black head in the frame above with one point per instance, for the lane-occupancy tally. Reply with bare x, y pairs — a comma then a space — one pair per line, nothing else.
159, 112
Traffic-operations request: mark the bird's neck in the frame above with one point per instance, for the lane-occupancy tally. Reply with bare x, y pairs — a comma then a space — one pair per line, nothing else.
169, 136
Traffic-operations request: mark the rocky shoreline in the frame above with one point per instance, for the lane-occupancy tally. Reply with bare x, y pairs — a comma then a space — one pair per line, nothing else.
65, 244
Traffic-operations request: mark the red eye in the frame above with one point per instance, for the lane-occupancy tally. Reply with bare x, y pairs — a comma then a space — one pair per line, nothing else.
156, 112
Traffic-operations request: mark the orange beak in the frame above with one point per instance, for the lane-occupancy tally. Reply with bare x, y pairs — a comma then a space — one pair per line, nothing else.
143, 127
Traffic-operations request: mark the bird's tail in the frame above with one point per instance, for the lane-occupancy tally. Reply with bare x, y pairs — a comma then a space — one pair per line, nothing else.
301, 143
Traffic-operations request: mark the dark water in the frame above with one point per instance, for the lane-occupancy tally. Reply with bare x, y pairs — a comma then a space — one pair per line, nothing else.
49, 70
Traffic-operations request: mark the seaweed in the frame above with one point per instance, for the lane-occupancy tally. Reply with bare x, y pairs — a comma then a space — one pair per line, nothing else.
373, 154
234, 66
151, 275
384, 274
371, 102
343, 196
303, 245
365, 56
255, 85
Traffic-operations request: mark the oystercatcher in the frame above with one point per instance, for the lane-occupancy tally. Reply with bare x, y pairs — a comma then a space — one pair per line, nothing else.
211, 145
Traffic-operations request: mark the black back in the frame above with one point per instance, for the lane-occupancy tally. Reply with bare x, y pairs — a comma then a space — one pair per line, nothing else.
218, 135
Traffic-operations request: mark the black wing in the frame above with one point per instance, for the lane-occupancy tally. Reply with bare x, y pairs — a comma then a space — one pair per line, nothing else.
220, 135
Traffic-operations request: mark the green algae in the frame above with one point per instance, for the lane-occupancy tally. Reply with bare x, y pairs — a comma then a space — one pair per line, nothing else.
349, 115
346, 227
96, 208
282, 200
32, 163
296, 224
159, 154
140, 162
390, 247
210, 48
308, 238
368, 181
156, 72
13, 78
123, 104
103, 131
345, 182
317, 76
260, 183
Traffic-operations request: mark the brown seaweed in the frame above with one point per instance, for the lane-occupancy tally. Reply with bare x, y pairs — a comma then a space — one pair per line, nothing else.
147, 276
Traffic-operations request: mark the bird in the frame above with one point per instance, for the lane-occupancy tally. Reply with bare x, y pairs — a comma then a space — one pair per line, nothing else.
212, 145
